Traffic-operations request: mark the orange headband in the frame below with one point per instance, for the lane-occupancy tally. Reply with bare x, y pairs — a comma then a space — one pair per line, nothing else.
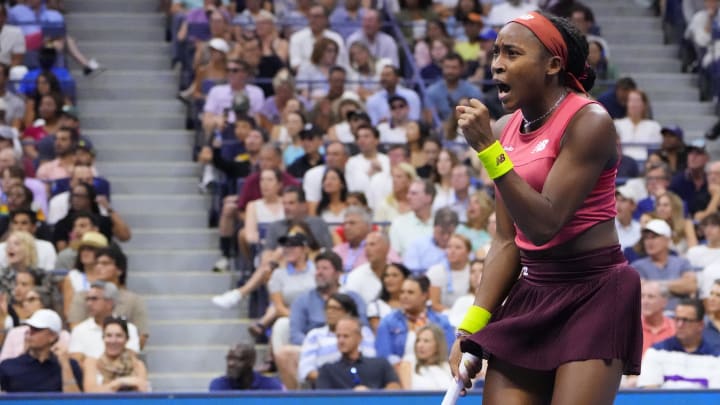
551, 38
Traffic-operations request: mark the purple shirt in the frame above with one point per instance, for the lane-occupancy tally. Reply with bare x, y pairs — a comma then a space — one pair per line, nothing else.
220, 97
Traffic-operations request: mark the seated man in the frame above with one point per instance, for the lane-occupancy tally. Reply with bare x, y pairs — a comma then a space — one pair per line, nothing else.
239, 374
685, 360
86, 339
425, 251
60, 203
84, 222
45, 367
364, 372
656, 326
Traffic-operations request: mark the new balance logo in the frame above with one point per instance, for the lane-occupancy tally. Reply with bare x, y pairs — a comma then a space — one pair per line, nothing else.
540, 146
500, 159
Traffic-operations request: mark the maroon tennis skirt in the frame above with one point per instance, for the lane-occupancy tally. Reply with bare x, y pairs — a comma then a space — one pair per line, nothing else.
573, 309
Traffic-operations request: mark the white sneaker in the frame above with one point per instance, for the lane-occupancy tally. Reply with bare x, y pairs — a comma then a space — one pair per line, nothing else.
93, 64
228, 299
222, 265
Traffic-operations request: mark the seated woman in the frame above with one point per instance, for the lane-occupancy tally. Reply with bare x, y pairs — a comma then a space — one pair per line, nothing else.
264, 210
396, 203
117, 369
364, 74
439, 48
598, 59
638, 127
14, 345
389, 300
670, 208
434, 31
397, 331
313, 76
447, 280
50, 110
213, 72
333, 200
430, 371
341, 131
83, 273
479, 209
462, 303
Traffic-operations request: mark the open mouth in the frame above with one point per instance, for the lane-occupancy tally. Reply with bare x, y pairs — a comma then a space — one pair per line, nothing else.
503, 89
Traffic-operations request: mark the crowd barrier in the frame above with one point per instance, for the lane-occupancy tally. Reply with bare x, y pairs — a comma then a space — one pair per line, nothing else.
633, 397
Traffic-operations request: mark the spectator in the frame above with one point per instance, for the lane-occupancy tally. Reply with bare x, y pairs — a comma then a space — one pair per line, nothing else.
638, 127
86, 339
392, 278
46, 366
320, 344
66, 140
656, 326
412, 16
470, 48
307, 313
346, 18
380, 44
14, 287
13, 50
325, 112
449, 277
49, 110
210, 73
712, 303
12, 169
117, 368
713, 186
480, 207
60, 203
396, 203
250, 142
705, 257
657, 182
691, 184
405, 228
365, 279
333, 200
397, 330
443, 95
355, 371
34, 191
302, 42
416, 133
111, 266
670, 208
369, 161
627, 228
83, 198
439, 49
83, 222
365, 68
14, 105
699, 30
427, 250
685, 360
599, 59
431, 148
505, 11
21, 256
36, 298
442, 177
295, 208
673, 148
311, 141
673, 272
615, 99
377, 104
380, 186
25, 220
239, 374
341, 131
315, 73
431, 370
264, 210
271, 43
460, 181
464, 302
357, 224
283, 85
83, 272
225, 101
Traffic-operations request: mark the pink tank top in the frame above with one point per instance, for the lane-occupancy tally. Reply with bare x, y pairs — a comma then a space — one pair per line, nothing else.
533, 155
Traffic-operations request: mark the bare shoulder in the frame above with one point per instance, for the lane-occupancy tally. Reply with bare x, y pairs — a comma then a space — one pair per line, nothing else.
499, 126
592, 122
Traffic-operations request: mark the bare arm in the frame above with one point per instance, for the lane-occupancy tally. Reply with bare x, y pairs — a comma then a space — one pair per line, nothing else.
68, 292
436, 299
277, 301
120, 228
251, 224
690, 235
685, 285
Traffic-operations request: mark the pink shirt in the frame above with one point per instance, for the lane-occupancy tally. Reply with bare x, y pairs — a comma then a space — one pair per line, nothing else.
353, 258
54, 170
15, 342
533, 155
650, 337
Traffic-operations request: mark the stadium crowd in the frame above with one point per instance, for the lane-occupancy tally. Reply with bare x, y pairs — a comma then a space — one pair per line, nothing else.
345, 196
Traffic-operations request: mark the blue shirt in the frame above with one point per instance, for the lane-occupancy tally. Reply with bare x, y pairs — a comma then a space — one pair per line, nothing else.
711, 335
67, 83
379, 109
613, 107
422, 253
672, 344
443, 100
26, 374
260, 382
393, 330
308, 312
675, 267
343, 24
24, 17
695, 199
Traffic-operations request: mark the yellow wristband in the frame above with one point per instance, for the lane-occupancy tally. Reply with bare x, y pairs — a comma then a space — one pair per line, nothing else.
496, 160
475, 319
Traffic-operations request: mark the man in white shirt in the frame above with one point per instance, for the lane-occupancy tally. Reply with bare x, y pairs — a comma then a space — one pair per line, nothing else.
366, 280
417, 223
303, 41
699, 30
707, 257
380, 44
628, 229
60, 203
336, 157
86, 339
26, 220
369, 161
12, 42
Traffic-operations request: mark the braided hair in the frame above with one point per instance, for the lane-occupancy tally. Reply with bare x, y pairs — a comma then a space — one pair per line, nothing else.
577, 47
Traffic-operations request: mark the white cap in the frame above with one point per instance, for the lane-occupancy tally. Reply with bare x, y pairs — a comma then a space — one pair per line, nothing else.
45, 319
219, 44
17, 73
659, 227
626, 193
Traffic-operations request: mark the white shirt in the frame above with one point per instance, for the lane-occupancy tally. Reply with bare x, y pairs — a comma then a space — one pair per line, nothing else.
221, 96
451, 288
405, 228
58, 207
302, 43
392, 134
360, 165
687, 370
380, 188
628, 235
501, 14
432, 378
383, 45
706, 279
45, 251
312, 182
646, 131
363, 281
86, 338
12, 41
695, 30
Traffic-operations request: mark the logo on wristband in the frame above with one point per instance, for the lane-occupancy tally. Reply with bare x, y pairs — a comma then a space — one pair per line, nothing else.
500, 159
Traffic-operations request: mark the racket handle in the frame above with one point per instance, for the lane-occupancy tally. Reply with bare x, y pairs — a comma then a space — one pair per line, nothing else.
453, 392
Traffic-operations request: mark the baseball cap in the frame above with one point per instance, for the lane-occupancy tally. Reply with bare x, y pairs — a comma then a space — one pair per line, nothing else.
297, 239
626, 193
6, 132
658, 227
488, 34
219, 44
86, 145
696, 145
94, 239
45, 319
673, 129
